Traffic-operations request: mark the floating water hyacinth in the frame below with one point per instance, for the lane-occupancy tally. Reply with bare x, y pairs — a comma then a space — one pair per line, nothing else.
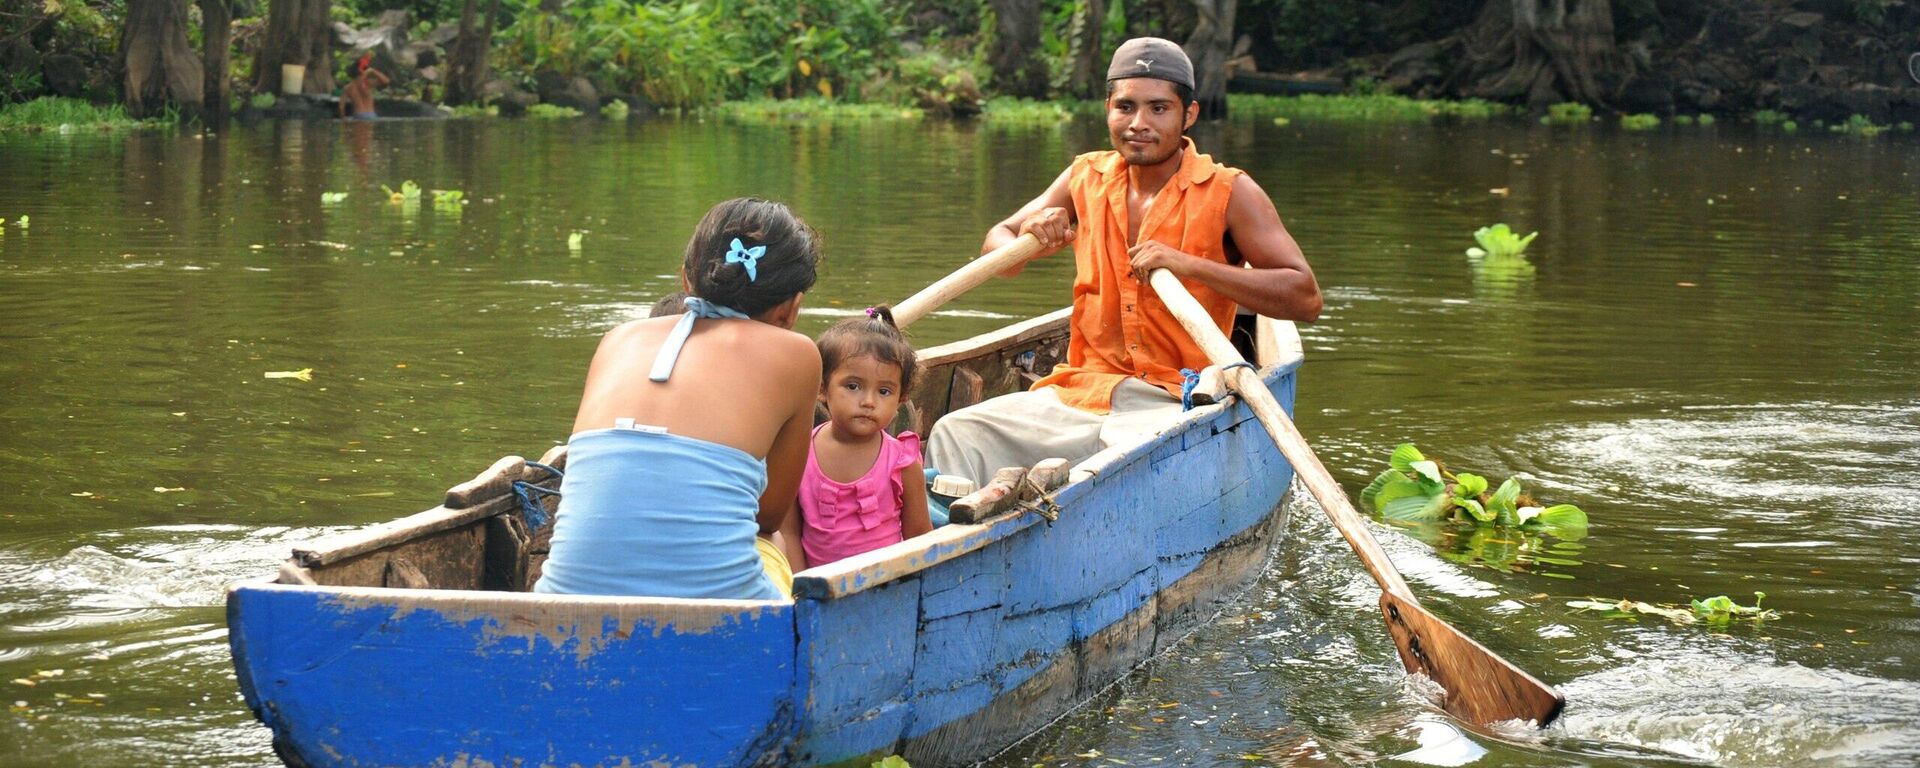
409, 192
1415, 488
573, 240
332, 198
1499, 240
448, 197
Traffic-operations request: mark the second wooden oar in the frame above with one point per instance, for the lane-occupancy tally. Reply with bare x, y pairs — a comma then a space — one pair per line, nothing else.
1481, 688
964, 279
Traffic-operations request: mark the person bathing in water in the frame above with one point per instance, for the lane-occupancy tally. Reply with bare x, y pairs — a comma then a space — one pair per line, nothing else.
863, 488
359, 92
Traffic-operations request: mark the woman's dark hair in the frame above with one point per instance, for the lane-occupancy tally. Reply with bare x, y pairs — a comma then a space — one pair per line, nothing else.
785, 268
871, 334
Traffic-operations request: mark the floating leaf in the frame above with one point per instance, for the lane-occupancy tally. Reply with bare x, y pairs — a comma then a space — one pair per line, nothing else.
1499, 240
1404, 455
304, 374
573, 240
24, 221
409, 192
332, 198
448, 197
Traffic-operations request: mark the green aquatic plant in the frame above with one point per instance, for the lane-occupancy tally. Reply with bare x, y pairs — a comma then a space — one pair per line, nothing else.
1499, 241
1010, 110
1568, 113
1858, 125
1641, 122
1721, 609
332, 198
615, 110
66, 115
1363, 108
1415, 489
1716, 611
1705, 119
1769, 117
574, 239
409, 192
811, 110
551, 111
24, 221
452, 197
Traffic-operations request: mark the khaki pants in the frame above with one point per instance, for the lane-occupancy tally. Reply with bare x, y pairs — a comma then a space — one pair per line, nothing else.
1020, 429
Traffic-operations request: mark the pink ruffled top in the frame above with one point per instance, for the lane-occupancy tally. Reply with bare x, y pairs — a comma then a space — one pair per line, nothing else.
839, 520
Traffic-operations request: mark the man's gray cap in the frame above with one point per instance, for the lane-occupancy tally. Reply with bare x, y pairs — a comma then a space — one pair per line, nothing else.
1151, 57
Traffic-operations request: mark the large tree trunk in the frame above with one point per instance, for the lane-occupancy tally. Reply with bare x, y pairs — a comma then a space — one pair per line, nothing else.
1088, 78
1545, 51
217, 34
1016, 35
1210, 45
298, 32
159, 62
467, 63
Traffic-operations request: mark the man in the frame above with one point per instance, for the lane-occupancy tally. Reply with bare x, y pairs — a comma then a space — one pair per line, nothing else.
359, 92
1153, 202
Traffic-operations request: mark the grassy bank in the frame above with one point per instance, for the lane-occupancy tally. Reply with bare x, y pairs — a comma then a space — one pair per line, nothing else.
53, 113
1362, 108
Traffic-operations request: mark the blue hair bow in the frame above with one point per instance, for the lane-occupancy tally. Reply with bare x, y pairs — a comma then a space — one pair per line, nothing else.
750, 257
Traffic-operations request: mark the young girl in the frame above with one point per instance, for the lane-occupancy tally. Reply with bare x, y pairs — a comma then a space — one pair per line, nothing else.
863, 488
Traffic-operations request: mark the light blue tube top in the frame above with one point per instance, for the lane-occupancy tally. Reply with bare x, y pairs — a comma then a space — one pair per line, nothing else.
653, 514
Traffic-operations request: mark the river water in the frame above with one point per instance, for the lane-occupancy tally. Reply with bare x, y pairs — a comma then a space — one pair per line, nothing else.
1712, 350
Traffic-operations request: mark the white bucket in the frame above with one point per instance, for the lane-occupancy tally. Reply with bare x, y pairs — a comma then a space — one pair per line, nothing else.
291, 76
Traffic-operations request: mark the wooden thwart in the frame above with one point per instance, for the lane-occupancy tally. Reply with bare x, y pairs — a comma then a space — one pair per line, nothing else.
1481, 688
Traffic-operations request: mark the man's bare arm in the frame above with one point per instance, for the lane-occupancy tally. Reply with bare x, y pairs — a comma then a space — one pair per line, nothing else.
1280, 285
1049, 217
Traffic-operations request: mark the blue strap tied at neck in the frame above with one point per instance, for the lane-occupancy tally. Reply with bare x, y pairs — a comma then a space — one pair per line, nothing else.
677, 338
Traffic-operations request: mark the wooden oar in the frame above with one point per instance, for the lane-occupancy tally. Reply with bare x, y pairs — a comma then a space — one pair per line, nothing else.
964, 279
1481, 688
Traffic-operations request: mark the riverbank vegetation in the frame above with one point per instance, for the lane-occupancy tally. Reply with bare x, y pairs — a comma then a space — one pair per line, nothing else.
1830, 61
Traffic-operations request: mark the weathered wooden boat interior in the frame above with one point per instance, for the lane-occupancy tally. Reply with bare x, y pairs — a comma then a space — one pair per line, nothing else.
478, 538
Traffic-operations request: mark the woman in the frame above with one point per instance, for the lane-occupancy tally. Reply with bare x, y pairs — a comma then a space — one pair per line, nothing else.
692, 433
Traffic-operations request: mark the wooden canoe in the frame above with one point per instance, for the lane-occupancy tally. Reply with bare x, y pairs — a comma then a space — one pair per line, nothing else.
415, 643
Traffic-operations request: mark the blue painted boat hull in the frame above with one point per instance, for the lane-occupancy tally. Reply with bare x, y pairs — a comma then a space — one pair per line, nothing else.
944, 649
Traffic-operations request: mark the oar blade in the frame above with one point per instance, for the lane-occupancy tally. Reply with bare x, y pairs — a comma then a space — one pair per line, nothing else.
1481, 688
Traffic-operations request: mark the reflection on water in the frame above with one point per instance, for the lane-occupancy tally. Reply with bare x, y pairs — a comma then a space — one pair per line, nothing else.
1710, 349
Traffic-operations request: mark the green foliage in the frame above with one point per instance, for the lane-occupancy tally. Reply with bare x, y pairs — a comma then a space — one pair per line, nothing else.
449, 197
690, 53
937, 83
473, 110
1705, 119
1641, 122
1790, 126
1376, 108
1683, 119
615, 110
332, 198
891, 761
770, 111
1858, 125
1769, 117
58, 113
551, 112
262, 101
1568, 113
1008, 110
1499, 241
1416, 489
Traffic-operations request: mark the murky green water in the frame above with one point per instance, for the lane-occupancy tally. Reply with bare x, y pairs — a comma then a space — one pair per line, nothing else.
1714, 354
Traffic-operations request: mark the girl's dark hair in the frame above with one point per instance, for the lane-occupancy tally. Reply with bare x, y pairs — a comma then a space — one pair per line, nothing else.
786, 268
871, 334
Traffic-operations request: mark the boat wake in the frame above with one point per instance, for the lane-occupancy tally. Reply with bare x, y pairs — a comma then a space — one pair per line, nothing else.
1727, 707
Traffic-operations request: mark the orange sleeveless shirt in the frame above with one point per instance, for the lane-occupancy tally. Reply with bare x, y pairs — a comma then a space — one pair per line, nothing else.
1120, 327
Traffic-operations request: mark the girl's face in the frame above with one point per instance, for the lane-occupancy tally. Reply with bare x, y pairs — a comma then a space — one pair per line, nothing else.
862, 395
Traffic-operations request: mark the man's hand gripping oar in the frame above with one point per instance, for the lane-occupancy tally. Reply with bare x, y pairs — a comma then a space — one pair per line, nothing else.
1481, 688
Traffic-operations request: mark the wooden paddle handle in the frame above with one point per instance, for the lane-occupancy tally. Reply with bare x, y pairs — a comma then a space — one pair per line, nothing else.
1293, 445
965, 279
